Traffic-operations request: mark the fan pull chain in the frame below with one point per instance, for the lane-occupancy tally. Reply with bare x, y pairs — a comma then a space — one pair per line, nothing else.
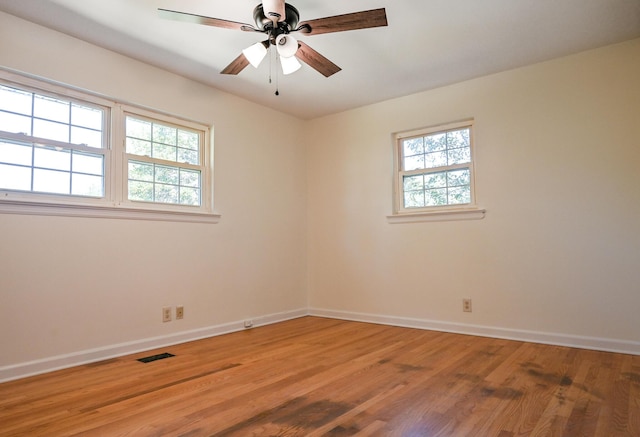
277, 86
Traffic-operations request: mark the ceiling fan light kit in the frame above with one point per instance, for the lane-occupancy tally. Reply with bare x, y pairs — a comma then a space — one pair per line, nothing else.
255, 53
289, 65
277, 20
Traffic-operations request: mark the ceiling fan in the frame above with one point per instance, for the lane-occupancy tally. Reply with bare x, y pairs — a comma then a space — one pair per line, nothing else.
278, 20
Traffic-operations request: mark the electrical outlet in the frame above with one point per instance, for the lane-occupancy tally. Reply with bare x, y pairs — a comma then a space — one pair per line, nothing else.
179, 312
248, 323
466, 305
166, 314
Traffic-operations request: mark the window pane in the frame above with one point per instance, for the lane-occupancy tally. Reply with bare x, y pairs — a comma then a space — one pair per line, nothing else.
188, 156
165, 134
413, 162
138, 128
15, 153
15, 178
51, 130
190, 196
138, 147
166, 193
413, 183
88, 137
140, 171
190, 178
51, 109
414, 199
437, 159
436, 197
167, 175
413, 146
89, 164
161, 151
458, 138
45, 157
17, 124
460, 195
458, 178
459, 156
50, 181
188, 140
14, 100
435, 180
86, 117
86, 185
141, 191
434, 143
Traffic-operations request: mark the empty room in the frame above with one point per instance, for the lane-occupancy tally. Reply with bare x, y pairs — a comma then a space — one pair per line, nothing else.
363, 218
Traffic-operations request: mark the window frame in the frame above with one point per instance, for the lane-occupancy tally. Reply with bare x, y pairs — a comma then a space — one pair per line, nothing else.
465, 211
115, 202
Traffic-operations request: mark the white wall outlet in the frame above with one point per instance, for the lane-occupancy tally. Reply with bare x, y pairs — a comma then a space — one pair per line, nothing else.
466, 305
179, 312
166, 314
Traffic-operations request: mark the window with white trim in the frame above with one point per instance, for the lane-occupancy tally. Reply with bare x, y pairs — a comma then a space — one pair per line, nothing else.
434, 169
51, 145
164, 163
61, 147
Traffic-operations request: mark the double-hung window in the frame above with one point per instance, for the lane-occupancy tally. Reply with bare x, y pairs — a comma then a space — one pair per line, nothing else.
164, 162
50, 144
66, 152
434, 170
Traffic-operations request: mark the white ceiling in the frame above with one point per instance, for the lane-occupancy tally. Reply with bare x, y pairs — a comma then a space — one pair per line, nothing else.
428, 43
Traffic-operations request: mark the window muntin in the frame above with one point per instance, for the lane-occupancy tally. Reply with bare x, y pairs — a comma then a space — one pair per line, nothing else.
163, 162
435, 168
52, 145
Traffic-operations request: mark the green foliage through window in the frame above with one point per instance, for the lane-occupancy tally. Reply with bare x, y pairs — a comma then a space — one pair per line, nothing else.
436, 168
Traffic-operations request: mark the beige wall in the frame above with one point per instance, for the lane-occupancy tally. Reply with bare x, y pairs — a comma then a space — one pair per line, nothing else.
73, 284
557, 153
558, 252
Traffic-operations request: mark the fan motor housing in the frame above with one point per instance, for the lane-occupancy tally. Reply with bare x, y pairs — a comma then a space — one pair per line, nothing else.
285, 24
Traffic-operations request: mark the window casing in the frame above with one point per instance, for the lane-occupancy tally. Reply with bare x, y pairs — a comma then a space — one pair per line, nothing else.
69, 152
434, 170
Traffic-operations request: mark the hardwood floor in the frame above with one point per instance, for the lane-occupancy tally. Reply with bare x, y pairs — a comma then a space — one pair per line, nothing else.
313, 377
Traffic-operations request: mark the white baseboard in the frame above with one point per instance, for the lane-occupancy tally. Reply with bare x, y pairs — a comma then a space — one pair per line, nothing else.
594, 343
30, 368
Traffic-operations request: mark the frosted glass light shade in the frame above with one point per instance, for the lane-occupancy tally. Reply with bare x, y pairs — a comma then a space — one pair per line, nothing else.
255, 53
286, 45
289, 65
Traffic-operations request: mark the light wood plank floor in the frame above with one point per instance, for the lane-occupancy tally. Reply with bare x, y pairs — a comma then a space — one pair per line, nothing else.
313, 377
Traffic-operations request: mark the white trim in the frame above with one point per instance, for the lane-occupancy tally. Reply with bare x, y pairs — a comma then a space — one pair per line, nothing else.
550, 338
36, 367
93, 211
441, 215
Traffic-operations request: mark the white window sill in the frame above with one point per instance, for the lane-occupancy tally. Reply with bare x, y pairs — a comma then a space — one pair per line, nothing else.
56, 209
438, 216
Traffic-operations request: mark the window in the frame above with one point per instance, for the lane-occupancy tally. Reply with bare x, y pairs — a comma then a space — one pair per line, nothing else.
66, 152
434, 169
163, 162
51, 145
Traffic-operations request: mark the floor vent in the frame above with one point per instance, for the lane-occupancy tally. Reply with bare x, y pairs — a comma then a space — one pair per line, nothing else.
155, 357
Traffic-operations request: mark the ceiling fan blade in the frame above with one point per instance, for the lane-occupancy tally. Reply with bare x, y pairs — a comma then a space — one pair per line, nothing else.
236, 66
201, 19
341, 23
315, 60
